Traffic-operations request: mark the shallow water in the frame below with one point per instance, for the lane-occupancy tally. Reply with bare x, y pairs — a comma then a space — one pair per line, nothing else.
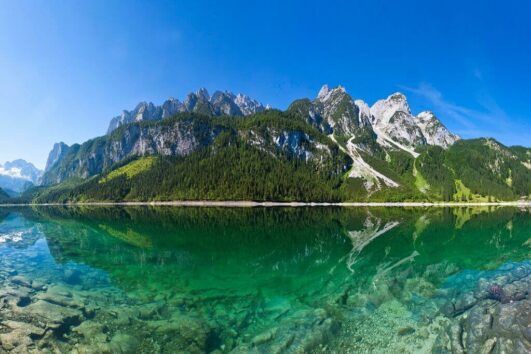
264, 280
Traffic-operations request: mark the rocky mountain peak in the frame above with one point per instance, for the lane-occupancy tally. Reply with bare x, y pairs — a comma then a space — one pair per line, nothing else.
383, 110
171, 107
203, 94
334, 110
200, 101
325, 93
397, 96
248, 105
434, 131
57, 153
363, 107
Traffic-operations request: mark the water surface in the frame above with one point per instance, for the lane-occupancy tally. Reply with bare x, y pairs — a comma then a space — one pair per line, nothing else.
166, 280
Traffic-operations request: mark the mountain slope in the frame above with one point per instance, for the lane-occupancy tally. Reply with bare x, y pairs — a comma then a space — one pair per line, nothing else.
268, 156
472, 169
237, 171
233, 167
372, 132
271, 132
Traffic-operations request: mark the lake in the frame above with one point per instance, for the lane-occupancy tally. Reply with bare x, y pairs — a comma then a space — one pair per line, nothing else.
265, 280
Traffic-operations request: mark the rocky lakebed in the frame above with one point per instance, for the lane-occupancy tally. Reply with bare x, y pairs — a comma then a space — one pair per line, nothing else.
52, 303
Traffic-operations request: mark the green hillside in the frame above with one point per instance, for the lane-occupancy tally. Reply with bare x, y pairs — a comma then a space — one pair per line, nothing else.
475, 170
274, 156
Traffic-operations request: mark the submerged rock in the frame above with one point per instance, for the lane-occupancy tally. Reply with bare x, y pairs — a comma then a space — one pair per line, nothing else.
181, 333
498, 320
305, 332
54, 316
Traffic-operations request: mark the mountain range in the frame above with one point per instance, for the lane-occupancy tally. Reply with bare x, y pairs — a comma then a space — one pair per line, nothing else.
220, 103
330, 148
17, 176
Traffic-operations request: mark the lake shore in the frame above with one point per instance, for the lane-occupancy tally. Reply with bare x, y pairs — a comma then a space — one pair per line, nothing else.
243, 204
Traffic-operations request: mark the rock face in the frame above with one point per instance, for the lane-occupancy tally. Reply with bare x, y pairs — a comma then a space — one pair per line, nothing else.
295, 143
394, 123
221, 103
18, 175
58, 152
392, 119
434, 131
179, 138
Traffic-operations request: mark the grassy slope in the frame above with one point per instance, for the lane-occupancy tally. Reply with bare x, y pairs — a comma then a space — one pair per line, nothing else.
130, 170
420, 182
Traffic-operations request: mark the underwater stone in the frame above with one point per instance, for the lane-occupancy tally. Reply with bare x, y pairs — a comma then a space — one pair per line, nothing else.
54, 315
264, 337
184, 333
16, 341
464, 303
488, 346
21, 280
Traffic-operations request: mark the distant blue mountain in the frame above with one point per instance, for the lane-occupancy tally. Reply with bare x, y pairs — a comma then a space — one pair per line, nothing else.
19, 175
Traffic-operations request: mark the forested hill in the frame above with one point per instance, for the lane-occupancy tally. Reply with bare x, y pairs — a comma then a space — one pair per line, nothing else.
331, 148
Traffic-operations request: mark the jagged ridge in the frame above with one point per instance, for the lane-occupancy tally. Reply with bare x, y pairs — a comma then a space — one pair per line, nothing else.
221, 103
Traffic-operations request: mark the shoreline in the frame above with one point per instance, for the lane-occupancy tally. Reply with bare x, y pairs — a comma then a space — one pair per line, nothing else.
243, 204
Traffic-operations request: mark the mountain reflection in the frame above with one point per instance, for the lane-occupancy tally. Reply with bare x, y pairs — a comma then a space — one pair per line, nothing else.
258, 244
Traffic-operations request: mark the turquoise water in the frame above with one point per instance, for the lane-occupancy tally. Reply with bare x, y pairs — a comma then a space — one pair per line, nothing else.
264, 280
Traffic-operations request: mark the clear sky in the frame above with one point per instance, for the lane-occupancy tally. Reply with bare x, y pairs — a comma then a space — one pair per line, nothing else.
68, 67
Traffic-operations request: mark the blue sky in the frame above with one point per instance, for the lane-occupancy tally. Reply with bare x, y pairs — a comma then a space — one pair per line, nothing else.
68, 67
